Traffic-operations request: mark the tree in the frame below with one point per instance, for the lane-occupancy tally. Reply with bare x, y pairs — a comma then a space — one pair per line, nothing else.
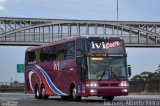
157, 76
137, 78
147, 76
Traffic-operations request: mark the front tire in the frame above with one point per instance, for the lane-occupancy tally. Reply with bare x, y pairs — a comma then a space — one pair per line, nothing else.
74, 96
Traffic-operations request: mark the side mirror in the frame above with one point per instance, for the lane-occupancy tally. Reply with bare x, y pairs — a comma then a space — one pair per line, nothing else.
129, 70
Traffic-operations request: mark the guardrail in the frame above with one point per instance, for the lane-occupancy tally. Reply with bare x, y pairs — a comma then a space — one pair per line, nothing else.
145, 86
11, 89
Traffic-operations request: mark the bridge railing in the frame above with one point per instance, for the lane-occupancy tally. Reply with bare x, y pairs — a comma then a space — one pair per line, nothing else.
38, 31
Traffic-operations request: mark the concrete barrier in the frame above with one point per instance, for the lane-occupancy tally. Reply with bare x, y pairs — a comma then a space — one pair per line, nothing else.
144, 86
11, 89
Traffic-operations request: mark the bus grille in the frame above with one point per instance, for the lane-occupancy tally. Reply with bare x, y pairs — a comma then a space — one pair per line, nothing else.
111, 84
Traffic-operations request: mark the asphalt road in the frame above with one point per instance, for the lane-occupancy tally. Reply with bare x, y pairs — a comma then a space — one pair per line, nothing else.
20, 99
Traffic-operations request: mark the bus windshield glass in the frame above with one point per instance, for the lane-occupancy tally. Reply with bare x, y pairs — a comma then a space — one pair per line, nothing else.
107, 68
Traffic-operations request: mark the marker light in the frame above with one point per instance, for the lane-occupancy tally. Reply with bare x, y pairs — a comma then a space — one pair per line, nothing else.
92, 84
87, 85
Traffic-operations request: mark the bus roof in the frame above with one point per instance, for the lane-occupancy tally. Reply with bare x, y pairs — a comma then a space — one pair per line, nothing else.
72, 38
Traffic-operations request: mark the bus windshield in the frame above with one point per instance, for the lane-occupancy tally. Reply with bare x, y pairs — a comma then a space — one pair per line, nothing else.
107, 68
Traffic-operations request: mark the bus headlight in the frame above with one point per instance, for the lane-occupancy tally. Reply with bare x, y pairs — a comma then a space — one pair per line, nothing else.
124, 84
92, 84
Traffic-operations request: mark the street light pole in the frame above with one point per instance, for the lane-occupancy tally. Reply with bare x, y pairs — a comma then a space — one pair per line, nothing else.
117, 16
117, 11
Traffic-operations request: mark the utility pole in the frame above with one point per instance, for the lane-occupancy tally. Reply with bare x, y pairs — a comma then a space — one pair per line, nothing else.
11, 80
117, 16
117, 11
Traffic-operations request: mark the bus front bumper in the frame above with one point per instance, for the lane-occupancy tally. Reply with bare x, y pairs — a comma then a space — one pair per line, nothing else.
107, 91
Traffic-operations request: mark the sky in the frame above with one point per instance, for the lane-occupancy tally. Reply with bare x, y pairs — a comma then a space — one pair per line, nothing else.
140, 59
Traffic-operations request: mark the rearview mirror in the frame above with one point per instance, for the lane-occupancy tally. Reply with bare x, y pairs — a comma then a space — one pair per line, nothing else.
129, 70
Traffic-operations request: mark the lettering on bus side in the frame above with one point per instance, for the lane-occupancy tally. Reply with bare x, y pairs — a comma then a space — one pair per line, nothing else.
105, 45
56, 66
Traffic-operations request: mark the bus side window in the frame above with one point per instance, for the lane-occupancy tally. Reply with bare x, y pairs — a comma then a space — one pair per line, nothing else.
48, 54
60, 52
70, 50
31, 57
52, 53
44, 54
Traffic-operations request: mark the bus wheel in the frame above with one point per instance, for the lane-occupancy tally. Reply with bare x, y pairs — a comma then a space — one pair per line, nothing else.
43, 93
74, 94
108, 98
37, 93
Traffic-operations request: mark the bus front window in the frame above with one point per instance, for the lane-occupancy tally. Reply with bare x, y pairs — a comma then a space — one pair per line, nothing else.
118, 69
107, 68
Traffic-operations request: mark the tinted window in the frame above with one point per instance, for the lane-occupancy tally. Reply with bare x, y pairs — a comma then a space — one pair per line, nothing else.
44, 54
61, 49
48, 54
52, 53
58, 52
80, 48
70, 51
30, 57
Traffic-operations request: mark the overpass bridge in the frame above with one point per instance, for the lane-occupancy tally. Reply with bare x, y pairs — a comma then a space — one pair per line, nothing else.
33, 31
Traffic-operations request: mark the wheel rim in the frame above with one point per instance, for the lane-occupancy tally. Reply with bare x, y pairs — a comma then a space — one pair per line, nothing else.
43, 93
37, 92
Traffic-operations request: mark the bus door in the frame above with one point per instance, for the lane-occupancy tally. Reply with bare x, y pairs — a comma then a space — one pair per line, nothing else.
82, 73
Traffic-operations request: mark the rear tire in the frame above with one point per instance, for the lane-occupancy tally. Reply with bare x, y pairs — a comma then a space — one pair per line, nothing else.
74, 96
43, 93
37, 93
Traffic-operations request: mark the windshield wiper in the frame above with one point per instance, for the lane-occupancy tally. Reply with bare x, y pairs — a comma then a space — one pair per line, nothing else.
113, 73
101, 76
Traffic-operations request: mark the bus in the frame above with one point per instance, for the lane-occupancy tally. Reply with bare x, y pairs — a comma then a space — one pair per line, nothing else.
76, 67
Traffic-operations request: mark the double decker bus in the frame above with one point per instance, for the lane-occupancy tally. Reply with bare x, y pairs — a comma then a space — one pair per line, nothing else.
78, 67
